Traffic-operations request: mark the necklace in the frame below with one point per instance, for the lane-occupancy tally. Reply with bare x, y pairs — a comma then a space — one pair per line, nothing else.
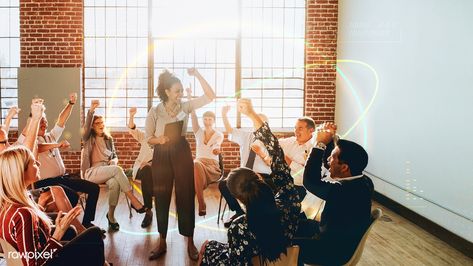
172, 111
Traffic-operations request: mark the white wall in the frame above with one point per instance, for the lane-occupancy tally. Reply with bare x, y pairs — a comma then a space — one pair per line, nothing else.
419, 129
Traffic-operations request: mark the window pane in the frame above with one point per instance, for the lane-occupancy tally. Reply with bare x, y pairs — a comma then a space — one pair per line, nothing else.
9, 57
116, 58
273, 58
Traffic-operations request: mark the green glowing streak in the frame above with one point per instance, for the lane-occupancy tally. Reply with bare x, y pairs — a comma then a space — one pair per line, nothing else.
358, 101
363, 115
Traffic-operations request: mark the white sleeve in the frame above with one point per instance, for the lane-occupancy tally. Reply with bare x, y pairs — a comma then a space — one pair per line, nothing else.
238, 136
56, 133
137, 134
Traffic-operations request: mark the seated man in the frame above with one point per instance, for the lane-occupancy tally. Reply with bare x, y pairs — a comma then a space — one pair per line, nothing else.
52, 169
347, 211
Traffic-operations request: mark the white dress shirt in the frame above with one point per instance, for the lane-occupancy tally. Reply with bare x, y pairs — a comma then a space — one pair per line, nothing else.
51, 161
245, 139
298, 153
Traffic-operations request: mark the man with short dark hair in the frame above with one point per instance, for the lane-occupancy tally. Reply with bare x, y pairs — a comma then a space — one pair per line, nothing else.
347, 211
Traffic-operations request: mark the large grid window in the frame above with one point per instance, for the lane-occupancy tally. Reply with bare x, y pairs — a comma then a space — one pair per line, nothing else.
9, 56
116, 58
243, 48
201, 37
272, 61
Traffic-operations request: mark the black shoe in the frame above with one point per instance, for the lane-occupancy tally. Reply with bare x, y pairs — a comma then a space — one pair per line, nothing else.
147, 220
112, 226
88, 225
229, 221
141, 210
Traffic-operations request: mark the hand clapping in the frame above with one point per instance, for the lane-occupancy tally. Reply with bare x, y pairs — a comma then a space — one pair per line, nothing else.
325, 132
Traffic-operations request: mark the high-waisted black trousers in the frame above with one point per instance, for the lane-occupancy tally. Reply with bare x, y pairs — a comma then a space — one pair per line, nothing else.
173, 165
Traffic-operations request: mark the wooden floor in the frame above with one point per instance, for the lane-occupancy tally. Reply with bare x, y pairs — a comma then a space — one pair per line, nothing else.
393, 240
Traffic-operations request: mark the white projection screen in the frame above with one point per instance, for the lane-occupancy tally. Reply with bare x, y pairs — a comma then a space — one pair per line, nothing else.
405, 92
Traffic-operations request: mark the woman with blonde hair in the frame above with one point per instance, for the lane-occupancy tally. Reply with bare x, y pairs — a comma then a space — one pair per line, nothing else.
28, 229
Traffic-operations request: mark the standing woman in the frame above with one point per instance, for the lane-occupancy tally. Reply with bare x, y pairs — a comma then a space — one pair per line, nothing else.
172, 162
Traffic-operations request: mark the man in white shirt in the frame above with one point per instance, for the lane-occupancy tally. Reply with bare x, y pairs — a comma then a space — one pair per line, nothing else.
296, 150
248, 158
52, 169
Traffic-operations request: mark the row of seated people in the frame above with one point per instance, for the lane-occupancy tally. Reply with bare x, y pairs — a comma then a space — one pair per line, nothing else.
272, 219
101, 169
25, 225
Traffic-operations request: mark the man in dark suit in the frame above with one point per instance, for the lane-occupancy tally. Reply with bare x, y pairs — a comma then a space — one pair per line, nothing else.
347, 211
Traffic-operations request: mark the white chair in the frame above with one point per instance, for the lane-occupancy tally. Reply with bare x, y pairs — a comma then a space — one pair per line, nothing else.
7, 248
355, 258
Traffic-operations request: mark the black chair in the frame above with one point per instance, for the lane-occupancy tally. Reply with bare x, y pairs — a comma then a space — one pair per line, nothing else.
222, 176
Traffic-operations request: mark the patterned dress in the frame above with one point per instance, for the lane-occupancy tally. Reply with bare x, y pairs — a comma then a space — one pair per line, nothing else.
241, 246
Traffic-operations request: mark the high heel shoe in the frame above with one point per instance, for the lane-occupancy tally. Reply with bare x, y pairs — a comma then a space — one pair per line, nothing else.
113, 226
140, 210
202, 210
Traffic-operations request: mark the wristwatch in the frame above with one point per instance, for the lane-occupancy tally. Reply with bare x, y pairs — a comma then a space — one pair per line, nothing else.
320, 145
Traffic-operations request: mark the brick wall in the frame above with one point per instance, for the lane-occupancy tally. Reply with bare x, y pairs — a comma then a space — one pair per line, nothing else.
51, 33
321, 56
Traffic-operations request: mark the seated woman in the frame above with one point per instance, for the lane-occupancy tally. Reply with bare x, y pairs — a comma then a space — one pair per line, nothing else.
206, 163
28, 229
270, 222
54, 198
99, 165
142, 167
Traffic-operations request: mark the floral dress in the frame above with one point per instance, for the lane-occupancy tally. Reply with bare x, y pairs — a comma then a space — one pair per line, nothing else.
241, 246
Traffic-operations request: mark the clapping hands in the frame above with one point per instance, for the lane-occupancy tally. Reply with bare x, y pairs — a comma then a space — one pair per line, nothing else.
325, 132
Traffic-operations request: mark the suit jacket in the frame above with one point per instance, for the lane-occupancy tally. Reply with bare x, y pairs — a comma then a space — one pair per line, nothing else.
347, 212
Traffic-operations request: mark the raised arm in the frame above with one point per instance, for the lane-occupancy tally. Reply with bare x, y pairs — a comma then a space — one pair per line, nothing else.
312, 178
88, 120
226, 122
208, 91
66, 112
280, 171
37, 109
195, 120
137, 134
12, 112
44, 147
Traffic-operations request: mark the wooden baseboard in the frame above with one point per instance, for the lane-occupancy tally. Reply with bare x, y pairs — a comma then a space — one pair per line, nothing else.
457, 242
